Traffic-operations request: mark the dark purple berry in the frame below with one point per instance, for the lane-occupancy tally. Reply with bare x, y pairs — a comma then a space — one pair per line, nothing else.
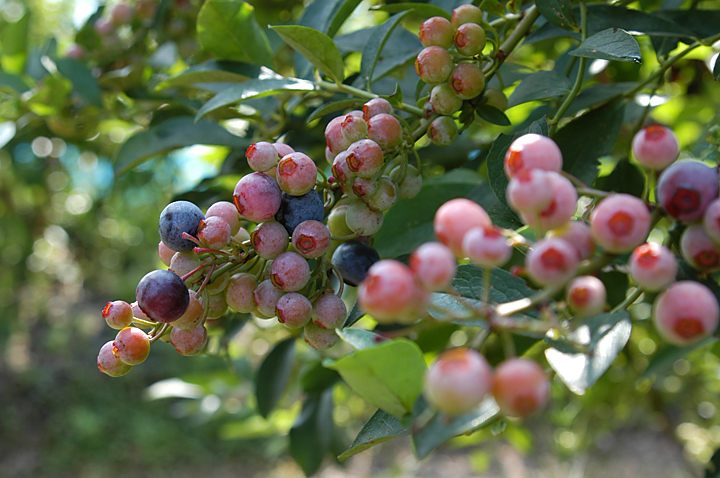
296, 209
163, 296
176, 218
353, 259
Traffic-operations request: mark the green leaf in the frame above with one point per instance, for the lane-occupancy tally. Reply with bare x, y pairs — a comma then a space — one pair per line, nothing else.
585, 139
442, 428
389, 376
374, 47
355, 314
701, 23
273, 375
253, 89
311, 434
664, 359
14, 43
316, 46
558, 12
595, 94
425, 10
316, 378
333, 107
217, 71
360, 339
13, 82
492, 115
493, 7
604, 336
340, 12
172, 134
713, 466
716, 68
540, 86
610, 44
229, 30
380, 428
625, 178
84, 83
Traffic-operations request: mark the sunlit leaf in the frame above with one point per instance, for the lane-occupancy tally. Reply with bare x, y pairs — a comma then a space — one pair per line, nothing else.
610, 44
316, 47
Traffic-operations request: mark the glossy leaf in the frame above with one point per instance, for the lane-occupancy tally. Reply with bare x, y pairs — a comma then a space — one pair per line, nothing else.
425, 10
375, 46
84, 83
253, 89
558, 12
360, 339
389, 376
539, 86
316, 47
229, 31
492, 115
273, 375
610, 44
380, 428
218, 71
311, 434
356, 313
604, 336
172, 134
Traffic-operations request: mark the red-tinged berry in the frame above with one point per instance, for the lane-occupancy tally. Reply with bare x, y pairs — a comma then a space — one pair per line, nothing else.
257, 197
319, 338
364, 187
184, 262
467, 80
122, 14
364, 158
353, 128
269, 239
686, 189
283, 149
266, 297
262, 156
385, 130
239, 293
214, 232
442, 131
388, 291
109, 364
193, 315
467, 13
487, 246
561, 209
436, 31
334, 137
165, 253
653, 266
103, 27
75, 51
711, 220
434, 65
586, 296
620, 223
520, 387
531, 151
375, 107
686, 313
296, 174
457, 381
434, 266
162, 295
189, 341
329, 311
699, 250
342, 173
177, 218
454, 218
530, 191
578, 234
138, 313
118, 314
290, 272
384, 197
469, 39
293, 310
551, 261
131, 345
655, 147
311, 239
227, 211
444, 101
363, 220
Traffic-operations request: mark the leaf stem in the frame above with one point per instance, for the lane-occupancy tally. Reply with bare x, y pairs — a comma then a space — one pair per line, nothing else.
342, 88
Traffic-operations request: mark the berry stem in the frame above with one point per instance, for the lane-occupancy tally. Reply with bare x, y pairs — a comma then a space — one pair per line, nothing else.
523, 27
629, 300
162, 330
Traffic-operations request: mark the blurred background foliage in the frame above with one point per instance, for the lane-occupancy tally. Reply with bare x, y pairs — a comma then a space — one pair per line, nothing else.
73, 236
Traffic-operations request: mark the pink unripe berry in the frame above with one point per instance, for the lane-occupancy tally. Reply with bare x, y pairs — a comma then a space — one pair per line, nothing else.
293, 310
467, 13
520, 387
194, 313
653, 266
262, 156
118, 314
131, 345
361, 219
442, 131
290, 272
699, 250
296, 174
266, 296
384, 197
434, 266
454, 218
109, 364
183, 263
319, 338
388, 291
165, 253
329, 311
364, 158
311, 239
353, 128
467, 80
239, 293
364, 187
434, 65
586, 296
457, 381
103, 27
75, 51
551, 261
334, 137
257, 197
686, 313
436, 31
620, 223
469, 39
711, 220
189, 341
375, 107
122, 14
214, 232
532, 151
487, 246
530, 191
579, 235
385, 130
561, 209
655, 147
269, 239
283, 149
686, 189
342, 173
227, 211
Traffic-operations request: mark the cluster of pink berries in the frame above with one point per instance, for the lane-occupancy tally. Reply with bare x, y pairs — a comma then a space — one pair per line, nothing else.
450, 63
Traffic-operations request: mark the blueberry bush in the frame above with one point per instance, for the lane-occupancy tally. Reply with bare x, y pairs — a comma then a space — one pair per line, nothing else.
460, 215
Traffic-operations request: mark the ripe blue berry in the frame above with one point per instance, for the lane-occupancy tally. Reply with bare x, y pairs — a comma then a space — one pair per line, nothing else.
176, 218
353, 259
296, 209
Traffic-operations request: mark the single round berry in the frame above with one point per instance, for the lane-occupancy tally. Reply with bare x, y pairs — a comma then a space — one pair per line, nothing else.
109, 364
711, 220
384, 197
686, 189
363, 187
262, 156
579, 235
442, 131
620, 223
239, 292
269, 239
193, 315
266, 297
363, 220
290, 272
444, 100
319, 338
388, 291
487, 246
283, 149
520, 387
353, 260
364, 158
257, 197
376, 106
177, 218
336, 221
655, 147
385, 130
454, 218
530, 191
531, 151
296, 209
467, 80
218, 284
586, 296
467, 13
162, 295
184, 262
296, 174
551, 261
329, 311
334, 137
216, 306
214, 232
469, 39
457, 381
227, 211
189, 341
118, 314
434, 266
131, 345
699, 250
436, 31
653, 266
311, 239
353, 128
434, 65
686, 313
75, 51
293, 310
103, 27
561, 209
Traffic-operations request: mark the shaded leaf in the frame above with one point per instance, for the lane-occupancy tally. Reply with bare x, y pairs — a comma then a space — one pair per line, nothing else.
229, 30
610, 44
664, 359
333, 107
380, 428
702, 23
317, 378
716, 68
558, 12
713, 466
355, 314
316, 47
360, 339
625, 178
252, 89
421, 9
375, 45
604, 336
273, 375
540, 86
492, 115
84, 83
311, 434
217, 71
494, 7
596, 94
14, 82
